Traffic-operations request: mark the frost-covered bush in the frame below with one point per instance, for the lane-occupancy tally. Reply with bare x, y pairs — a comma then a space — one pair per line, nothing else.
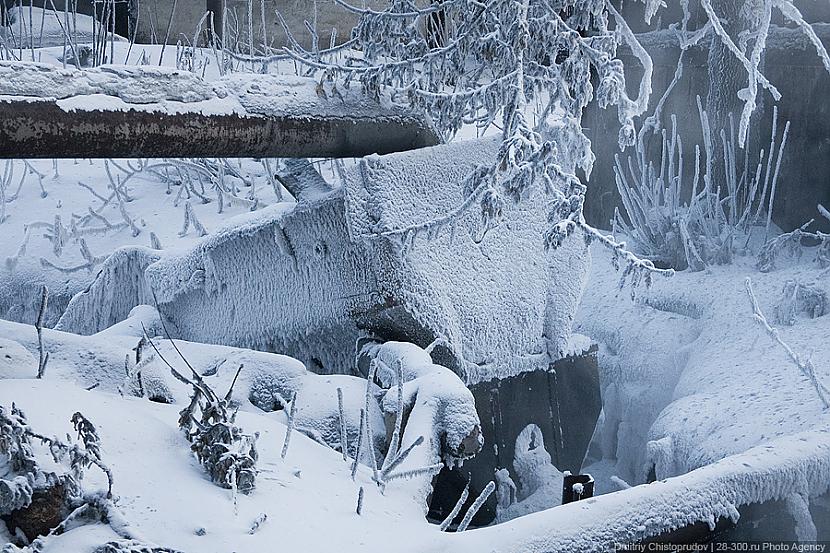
791, 244
24, 479
798, 297
228, 455
690, 221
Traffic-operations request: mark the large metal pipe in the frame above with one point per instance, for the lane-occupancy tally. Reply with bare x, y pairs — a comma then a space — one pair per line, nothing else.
138, 112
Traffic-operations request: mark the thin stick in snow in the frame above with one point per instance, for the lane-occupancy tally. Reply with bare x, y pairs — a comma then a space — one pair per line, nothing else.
291, 415
457, 509
359, 449
400, 458
804, 365
370, 442
395, 443
344, 440
257, 523
359, 509
471, 512
44, 356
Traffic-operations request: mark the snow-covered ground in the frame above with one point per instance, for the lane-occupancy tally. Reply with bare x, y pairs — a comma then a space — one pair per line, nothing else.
689, 377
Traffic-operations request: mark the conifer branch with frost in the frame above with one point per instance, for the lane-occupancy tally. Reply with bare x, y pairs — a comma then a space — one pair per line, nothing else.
805, 365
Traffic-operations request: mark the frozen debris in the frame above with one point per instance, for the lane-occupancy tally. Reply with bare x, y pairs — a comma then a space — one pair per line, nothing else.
439, 411
302, 180
540, 482
117, 289
764, 473
797, 298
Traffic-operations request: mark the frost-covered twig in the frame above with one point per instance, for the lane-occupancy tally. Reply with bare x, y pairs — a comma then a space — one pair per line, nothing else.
190, 218
471, 512
290, 426
360, 494
456, 509
359, 450
43, 358
344, 445
259, 521
804, 365
394, 444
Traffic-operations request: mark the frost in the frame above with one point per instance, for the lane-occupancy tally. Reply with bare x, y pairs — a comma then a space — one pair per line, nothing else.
540, 482
117, 289
440, 409
333, 281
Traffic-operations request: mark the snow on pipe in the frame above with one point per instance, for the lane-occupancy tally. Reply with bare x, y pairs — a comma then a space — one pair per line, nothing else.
140, 112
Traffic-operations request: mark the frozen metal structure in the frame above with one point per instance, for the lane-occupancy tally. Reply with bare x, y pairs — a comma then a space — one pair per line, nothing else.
311, 279
134, 112
499, 304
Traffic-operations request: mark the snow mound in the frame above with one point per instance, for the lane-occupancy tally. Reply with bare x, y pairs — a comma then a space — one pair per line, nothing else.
16, 361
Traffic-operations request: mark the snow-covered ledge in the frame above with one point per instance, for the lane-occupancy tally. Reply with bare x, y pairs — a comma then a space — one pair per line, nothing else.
793, 468
127, 111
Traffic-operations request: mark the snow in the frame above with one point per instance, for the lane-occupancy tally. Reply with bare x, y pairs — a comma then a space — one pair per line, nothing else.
688, 378
175, 91
516, 318
150, 486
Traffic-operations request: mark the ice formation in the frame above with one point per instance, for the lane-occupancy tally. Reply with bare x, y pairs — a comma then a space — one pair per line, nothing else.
540, 482
331, 279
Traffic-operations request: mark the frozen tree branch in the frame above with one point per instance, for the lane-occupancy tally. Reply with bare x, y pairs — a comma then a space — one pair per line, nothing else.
804, 365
